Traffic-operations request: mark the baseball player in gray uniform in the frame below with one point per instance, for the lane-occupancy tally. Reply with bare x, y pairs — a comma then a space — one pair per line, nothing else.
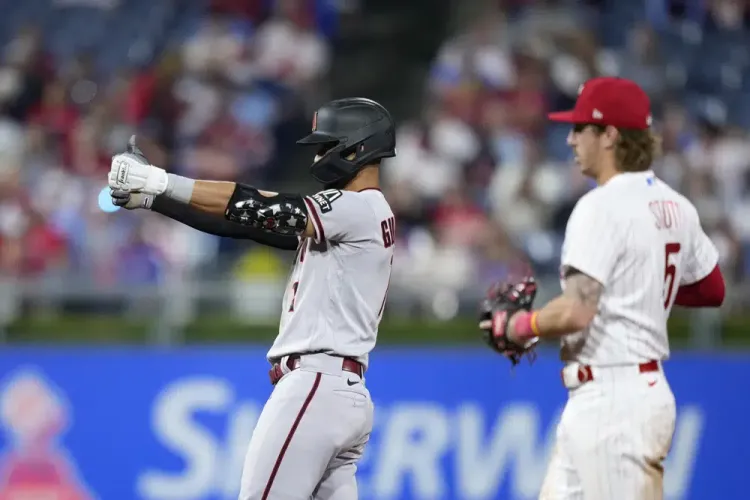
314, 427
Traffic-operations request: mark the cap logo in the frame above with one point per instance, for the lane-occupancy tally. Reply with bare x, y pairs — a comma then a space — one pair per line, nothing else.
596, 114
315, 122
649, 119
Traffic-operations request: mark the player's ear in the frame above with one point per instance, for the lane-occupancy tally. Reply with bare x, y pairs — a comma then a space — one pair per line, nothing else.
609, 136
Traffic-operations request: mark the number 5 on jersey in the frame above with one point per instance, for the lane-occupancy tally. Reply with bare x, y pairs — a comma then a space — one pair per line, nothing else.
670, 271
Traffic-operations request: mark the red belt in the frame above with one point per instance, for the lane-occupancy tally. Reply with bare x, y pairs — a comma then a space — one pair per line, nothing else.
349, 365
586, 375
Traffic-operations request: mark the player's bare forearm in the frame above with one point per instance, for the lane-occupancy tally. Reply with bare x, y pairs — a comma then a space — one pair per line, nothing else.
212, 196
572, 311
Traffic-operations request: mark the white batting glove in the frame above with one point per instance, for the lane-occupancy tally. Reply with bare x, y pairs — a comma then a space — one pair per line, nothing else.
131, 172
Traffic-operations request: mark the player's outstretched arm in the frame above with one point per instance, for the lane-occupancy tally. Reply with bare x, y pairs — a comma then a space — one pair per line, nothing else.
207, 223
219, 226
284, 214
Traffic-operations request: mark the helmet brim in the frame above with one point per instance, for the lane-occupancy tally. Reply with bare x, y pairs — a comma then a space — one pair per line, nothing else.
318, 138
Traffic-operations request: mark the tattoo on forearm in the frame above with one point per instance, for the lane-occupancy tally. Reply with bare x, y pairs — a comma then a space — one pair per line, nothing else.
583, 288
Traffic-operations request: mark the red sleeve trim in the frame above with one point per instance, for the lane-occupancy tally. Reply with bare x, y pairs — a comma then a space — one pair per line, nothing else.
708, 292
320, 235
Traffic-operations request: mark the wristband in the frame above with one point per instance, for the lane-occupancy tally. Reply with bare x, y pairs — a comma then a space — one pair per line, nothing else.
535, 323
179, 188
525, 326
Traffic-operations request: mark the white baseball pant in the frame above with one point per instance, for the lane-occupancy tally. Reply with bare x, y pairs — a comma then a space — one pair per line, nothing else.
614, 434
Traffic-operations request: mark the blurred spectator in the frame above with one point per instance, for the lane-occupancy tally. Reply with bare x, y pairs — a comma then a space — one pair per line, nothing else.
288, 50
578, 59
57, 118
27, 66
139, 262
29, 245
482, 54
641, 61
214, 48
458, 221
250, 10
727, 15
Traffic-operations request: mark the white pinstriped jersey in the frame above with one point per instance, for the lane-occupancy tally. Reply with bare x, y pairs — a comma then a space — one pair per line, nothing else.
641, 240
337, 289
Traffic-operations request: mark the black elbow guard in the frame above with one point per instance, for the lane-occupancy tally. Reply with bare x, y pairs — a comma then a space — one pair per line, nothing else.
282, 213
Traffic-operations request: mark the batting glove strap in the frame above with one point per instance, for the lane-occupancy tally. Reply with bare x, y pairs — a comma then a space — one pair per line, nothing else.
130, 173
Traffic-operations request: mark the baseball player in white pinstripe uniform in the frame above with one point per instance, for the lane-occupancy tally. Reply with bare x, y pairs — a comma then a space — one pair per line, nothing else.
633, 248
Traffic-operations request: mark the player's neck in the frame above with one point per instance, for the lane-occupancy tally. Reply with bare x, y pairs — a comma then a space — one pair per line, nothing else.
367, 178
607, 172
604, 177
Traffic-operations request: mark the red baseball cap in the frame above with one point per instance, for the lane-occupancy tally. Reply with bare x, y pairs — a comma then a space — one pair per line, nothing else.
609, 101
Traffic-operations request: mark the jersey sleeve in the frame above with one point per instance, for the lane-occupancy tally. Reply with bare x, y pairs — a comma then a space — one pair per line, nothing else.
593, 240
340, 216
701, 255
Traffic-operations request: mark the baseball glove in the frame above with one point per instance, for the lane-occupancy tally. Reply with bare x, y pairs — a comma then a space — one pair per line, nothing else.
503, 300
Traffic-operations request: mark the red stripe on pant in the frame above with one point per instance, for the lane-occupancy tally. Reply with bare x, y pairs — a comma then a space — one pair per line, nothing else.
289, 436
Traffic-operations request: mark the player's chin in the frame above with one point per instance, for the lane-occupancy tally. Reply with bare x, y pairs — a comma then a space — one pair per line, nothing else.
583, 166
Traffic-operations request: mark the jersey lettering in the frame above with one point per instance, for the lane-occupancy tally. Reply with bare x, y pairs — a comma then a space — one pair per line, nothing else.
388, 228
665, 212
324, 199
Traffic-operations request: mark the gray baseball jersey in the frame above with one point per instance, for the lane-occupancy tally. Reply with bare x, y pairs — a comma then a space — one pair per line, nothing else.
338, 285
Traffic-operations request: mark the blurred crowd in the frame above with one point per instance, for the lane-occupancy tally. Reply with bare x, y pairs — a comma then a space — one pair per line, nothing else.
213, 101
482, 184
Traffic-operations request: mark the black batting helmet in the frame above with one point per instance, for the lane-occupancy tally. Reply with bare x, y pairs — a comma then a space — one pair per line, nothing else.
349, 126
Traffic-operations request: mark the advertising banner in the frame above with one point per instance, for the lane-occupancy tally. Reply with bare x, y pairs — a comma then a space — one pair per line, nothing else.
127, 423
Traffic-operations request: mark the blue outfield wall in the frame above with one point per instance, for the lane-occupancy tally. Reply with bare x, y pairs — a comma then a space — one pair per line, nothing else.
456, 424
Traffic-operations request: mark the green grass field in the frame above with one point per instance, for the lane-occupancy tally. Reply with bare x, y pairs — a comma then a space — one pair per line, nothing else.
223, 329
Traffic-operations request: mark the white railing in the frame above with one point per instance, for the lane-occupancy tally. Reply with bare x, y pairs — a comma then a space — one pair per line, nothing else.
175, 303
